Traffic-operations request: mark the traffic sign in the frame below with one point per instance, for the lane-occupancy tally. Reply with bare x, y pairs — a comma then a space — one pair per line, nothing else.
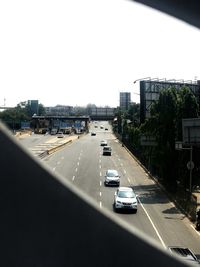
190, 165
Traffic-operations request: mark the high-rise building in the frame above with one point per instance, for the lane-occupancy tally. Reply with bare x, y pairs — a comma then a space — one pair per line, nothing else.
125, 100
33, 106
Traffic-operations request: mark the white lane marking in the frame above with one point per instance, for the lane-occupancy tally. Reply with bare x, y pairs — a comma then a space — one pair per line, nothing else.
99, 166
121, 164
124, 171
100, 183
154, 227
76, 170
194, 229
73, 178
78, 163
54, 169
100, 193
119, 159
58, 162
100, 204
129, 180
99, 161
100, 174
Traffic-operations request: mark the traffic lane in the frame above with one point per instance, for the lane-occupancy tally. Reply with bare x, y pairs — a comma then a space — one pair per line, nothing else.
85, 162
138, 220
173, 227
66, 160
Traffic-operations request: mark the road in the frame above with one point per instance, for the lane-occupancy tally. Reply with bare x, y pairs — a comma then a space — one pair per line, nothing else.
82, 163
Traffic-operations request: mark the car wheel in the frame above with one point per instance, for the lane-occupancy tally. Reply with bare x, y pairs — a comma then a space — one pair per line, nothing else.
114, 207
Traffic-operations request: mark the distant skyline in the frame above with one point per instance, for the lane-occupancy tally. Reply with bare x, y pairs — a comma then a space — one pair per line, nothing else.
86, 52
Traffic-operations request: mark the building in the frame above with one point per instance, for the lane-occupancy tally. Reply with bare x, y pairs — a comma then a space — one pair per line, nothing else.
33, 106
125, 100
150, 90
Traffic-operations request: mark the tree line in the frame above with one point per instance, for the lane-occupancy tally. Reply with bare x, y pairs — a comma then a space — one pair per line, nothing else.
165, 128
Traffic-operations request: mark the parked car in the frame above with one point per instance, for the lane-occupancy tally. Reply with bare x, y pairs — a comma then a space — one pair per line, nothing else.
60, 135
125, 199
107, 150
112, 178
103, 143
185, 254
93, 133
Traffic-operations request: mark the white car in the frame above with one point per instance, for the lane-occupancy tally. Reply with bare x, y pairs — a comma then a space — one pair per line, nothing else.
125, 198
103, 143
60, 135
112, 178
185, 254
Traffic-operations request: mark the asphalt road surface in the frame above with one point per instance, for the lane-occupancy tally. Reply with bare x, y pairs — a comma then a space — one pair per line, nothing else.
82, 163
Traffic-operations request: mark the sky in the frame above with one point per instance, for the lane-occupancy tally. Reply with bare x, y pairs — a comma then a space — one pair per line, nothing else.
87, 52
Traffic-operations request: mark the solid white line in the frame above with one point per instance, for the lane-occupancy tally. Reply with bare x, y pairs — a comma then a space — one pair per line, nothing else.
194, 229
100, 204
154, 227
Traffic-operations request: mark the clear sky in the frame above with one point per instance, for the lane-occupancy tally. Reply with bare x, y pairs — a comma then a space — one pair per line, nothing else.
79, 52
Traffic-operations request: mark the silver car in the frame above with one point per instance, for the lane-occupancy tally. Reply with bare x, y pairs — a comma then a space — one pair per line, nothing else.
125, 198
112, 178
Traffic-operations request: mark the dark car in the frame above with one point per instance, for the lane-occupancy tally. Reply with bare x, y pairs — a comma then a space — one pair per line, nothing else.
107, 150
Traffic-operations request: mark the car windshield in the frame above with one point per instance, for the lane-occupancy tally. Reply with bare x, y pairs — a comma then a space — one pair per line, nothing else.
126, 194
112, 174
